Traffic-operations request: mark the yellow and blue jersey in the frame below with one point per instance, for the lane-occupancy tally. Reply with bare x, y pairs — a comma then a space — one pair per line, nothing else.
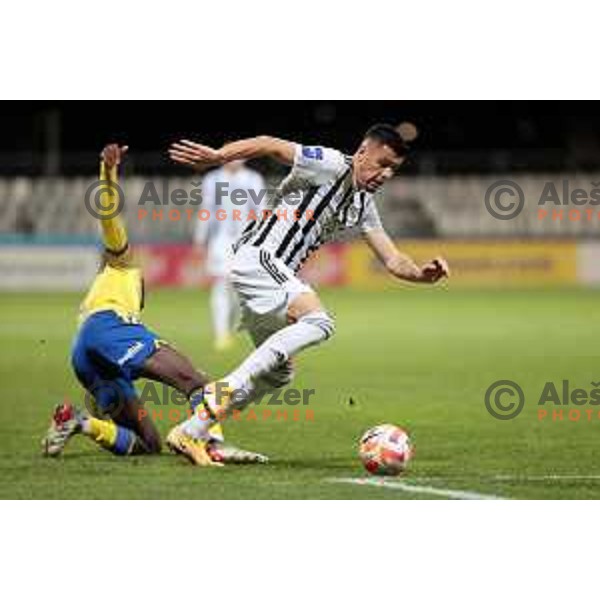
116, 288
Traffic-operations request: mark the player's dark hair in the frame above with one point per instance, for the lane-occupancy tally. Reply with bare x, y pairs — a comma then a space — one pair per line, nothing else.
388, 135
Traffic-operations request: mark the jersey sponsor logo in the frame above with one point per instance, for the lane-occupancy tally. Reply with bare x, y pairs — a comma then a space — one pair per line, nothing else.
352, 214
313, 152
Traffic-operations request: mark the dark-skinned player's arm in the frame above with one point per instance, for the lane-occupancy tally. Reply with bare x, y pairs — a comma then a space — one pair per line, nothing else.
401, 265
202, 157
114, 234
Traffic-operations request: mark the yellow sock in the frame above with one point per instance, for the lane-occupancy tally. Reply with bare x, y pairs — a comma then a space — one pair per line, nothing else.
114, 234
109, 435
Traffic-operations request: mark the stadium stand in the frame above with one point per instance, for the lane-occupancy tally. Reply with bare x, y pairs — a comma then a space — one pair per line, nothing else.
414, 206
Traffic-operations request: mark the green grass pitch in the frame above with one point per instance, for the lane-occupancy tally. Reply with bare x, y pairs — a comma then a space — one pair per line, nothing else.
421, 358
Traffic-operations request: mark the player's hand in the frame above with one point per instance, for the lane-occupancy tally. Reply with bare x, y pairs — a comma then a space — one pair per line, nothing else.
195, 155
113, 154
434, 270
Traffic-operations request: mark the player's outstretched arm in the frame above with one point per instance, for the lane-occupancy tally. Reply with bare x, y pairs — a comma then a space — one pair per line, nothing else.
114, 233
400, 265
200, 157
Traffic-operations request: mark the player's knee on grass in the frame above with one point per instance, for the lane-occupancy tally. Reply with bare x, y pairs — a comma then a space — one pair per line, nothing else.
148, 438
137, 420
148, 433
152, 443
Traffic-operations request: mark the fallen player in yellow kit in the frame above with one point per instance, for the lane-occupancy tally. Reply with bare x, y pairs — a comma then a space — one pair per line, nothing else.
113, 348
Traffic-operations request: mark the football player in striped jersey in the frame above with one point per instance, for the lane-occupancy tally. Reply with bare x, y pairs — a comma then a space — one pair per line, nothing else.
325, 193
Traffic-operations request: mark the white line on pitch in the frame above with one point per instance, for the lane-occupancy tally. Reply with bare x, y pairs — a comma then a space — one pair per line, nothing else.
505, 478
417, 489
532, 478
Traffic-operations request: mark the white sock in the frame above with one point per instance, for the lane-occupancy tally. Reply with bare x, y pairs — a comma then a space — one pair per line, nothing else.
309, 330
221, 308
199, 423
282, 345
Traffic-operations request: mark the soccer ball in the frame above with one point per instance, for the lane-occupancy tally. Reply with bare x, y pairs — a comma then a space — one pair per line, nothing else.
385, 450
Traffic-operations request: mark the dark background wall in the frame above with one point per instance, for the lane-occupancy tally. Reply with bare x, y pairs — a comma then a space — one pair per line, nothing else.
455, 136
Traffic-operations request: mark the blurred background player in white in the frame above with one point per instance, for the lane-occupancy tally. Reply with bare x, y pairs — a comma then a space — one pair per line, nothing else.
218, 236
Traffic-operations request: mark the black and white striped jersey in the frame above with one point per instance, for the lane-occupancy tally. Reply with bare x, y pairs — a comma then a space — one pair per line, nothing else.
312, 206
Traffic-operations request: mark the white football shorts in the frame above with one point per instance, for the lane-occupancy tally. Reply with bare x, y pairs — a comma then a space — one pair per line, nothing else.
265, 288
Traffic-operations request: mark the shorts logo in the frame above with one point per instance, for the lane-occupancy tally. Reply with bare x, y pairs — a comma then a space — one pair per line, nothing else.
133, 350
315, 153
271, 268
